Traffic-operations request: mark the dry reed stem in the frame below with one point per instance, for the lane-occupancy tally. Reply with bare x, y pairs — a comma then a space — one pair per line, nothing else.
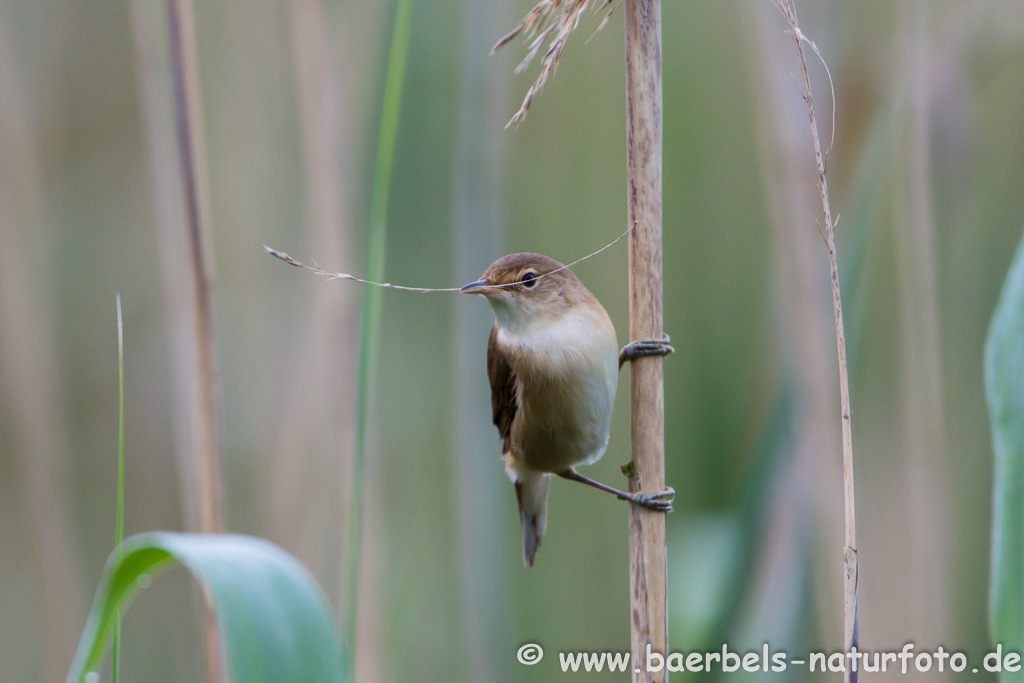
647, 543
206, 419
319, 415
558, 17
850, 568
813, 484
191, 149
157, 120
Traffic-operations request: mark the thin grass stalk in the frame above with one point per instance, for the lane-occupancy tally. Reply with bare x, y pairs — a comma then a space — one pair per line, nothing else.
373, 300
850, 568
115, 671
206, 419
647, 544
800, 305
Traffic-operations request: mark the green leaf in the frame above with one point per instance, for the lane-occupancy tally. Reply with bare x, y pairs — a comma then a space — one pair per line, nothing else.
1004, 386
115, 663
272, 616
373, 301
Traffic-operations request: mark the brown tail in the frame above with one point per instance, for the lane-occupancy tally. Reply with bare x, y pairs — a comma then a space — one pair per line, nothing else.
532, 495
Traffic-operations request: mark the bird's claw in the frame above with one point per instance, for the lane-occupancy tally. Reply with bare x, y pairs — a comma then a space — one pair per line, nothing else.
662, 502
645, 347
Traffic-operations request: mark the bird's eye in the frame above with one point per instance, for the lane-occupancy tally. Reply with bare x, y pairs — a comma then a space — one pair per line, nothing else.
529, 279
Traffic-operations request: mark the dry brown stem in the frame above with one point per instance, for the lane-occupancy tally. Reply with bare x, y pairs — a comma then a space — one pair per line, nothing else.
647, 544
205, 412
850, 567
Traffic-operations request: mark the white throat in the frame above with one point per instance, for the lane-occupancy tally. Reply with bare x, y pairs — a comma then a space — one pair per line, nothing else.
516, 318
582, 335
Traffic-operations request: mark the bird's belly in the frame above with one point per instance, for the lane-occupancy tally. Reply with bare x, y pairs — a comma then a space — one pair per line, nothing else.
563, 423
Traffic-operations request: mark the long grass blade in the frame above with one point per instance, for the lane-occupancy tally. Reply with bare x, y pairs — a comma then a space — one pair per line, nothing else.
119, 531
372, 301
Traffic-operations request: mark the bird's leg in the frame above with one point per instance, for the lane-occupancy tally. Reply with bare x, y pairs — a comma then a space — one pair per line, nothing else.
653, 501
644, 347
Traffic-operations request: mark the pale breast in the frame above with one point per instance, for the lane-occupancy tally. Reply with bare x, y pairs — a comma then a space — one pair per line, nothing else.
566, 377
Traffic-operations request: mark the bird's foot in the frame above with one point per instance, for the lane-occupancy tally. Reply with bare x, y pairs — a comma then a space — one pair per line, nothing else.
652, 501
662, 502
645, 347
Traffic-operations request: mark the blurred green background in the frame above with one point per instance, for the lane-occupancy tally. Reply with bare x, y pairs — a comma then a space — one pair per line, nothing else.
927, 172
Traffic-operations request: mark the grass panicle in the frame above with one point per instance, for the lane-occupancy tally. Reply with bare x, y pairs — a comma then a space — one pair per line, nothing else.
555, 19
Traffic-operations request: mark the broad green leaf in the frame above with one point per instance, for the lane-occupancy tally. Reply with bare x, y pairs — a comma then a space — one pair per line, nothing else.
1004, 386
272, 616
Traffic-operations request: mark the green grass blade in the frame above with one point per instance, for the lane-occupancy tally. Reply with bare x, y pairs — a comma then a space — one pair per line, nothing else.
1004, 387
272, 616
115, 668
372, 301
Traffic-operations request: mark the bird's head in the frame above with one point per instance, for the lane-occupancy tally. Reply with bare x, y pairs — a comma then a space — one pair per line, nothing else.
528, 289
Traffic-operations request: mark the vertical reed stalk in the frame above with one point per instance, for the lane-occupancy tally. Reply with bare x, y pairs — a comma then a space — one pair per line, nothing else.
192, 157
647, 547
372, 301
319, 411
205, 413
807, 479
850, 570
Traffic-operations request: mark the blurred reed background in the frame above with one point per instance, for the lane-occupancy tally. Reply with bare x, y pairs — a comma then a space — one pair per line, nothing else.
927, 172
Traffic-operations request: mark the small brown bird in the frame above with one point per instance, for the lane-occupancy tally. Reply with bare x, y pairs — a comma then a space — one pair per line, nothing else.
553, 362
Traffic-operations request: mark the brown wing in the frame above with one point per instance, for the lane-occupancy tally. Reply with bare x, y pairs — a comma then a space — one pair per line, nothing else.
503, 389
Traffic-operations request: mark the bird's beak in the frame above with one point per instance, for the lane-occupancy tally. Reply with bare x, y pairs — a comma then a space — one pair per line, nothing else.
478, 287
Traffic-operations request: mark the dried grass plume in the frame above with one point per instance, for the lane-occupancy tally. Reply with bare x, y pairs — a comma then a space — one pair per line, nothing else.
558, 17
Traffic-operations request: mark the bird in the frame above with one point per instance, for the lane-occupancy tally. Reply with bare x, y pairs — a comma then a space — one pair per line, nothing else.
552, 362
